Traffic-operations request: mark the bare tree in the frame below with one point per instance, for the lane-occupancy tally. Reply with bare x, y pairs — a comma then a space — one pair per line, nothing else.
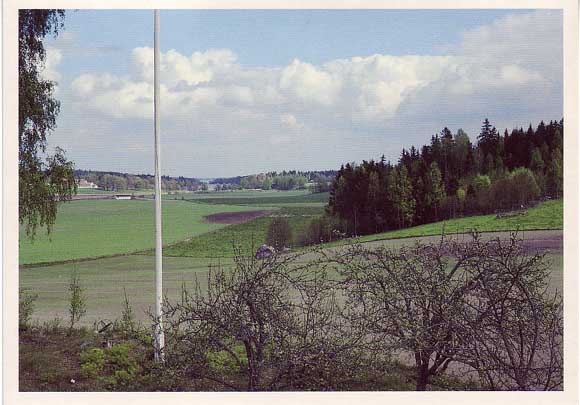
273, 321
481, 303
512, 325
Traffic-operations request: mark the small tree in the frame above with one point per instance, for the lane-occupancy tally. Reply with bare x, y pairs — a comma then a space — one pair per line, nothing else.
77, 300
279, 233
26, 301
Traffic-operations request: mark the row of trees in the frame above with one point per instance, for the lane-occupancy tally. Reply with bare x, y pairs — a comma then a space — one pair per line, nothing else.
286, 323
451, 177
123, 181
287, 180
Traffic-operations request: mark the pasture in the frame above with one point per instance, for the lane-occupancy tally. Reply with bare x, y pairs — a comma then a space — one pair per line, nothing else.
95, 228
105, 280
270, 198
253, 233
547, 215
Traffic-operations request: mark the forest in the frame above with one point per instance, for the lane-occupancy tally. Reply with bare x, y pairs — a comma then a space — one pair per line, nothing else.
451, 177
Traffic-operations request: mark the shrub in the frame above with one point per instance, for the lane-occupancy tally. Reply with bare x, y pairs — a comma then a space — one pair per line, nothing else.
517, 190
26, 301
113, 367
321, 230
279, 233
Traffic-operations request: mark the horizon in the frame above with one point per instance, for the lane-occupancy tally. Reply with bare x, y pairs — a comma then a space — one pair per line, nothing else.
347, 85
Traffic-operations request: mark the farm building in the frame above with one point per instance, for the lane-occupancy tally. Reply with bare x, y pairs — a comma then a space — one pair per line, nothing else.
82, 183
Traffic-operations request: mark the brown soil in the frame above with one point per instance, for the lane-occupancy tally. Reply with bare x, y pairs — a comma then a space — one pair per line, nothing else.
235, 217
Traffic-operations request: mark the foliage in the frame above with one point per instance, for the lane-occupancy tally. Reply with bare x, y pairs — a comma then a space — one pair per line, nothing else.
77, 300
115, 367
515, 191
321, 230
41, 184
499, 172
123, 181
279, 233
127, 323
26, 301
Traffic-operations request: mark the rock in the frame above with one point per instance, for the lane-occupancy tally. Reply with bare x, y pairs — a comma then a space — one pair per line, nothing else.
264, 252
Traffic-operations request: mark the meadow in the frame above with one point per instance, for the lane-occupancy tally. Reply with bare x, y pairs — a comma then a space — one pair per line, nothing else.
246, 235
95, 228
547, 215
106, 279
269, 198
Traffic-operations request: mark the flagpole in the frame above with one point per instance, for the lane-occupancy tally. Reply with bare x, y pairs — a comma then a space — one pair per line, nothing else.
159, 336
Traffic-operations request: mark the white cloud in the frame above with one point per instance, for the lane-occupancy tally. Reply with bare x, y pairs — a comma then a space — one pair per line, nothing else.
52, 60
510, 69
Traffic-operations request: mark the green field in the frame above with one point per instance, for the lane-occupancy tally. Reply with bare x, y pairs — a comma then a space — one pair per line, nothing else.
318, 199
220, 243
94, 228
105, 279
270, 198
201, 195
547, 215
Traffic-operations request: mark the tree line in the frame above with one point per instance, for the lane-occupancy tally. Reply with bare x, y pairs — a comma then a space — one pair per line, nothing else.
450, 177
317, 181
114, 181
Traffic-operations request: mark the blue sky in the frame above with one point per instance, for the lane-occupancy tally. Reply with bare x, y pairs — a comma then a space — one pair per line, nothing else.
245, 91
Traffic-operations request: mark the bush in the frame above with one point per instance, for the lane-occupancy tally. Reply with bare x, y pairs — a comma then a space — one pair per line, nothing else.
481, 303
113, 367
26, 301
517, 190
321, 230
279, 233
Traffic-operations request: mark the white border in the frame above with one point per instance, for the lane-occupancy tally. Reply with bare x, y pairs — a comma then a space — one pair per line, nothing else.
10, 213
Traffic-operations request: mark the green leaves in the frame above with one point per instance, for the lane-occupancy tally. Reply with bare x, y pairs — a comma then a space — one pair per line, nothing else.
41, 184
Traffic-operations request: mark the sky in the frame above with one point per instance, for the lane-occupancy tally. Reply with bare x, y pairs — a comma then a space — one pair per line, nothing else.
250, 91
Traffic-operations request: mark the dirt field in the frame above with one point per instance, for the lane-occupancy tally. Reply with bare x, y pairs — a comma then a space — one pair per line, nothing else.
235, 217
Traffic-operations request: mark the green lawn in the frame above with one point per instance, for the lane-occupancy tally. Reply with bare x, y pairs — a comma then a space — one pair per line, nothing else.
220, 243
548, 215
94, 228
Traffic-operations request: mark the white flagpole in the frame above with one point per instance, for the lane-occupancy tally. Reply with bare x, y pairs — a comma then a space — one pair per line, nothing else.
159, 336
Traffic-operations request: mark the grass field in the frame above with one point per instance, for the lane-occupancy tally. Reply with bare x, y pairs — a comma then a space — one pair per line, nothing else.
318, 199
105, 279
220, 243
94, 228
547, 215
270, 198
103, 227
202, 195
